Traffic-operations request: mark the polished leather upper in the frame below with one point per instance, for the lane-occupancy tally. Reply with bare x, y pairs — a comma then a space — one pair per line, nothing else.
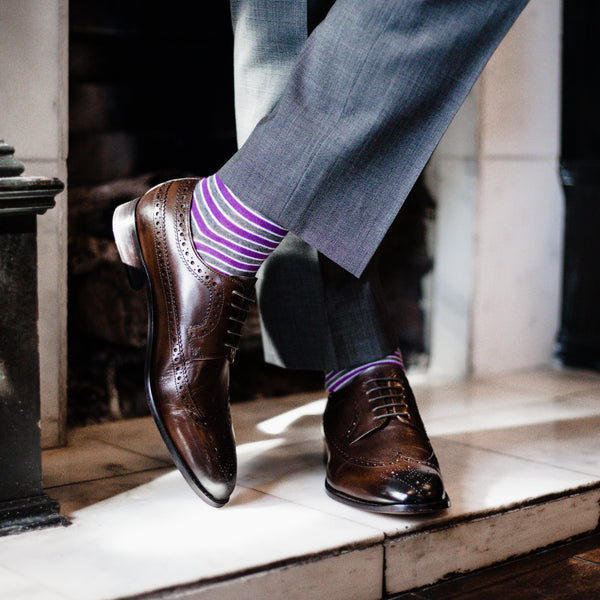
196, 319
379, 454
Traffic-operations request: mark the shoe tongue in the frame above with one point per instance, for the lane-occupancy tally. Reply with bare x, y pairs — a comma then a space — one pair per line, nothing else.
374, 391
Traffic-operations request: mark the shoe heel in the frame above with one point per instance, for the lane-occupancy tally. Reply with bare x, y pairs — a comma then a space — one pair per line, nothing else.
125, 234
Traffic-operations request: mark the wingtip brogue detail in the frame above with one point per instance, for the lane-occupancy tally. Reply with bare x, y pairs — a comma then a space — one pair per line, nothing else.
195, 319
379, 457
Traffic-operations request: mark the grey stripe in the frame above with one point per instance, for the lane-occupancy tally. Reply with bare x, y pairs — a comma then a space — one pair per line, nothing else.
235, 217
219, 230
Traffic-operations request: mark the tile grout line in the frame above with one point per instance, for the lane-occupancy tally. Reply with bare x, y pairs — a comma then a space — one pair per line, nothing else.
516, 388
384, 592
515, 456
109, 477
519, 402
136, 452
113, 445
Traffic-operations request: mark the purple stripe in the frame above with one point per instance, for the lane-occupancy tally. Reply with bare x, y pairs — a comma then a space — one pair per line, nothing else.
345, 378
342, 375
333, 376
203, 249
210, 234
227, 224
389, 361
336, 379
392, 359
242, 210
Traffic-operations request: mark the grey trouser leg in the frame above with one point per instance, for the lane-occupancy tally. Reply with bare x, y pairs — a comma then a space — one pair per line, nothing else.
373, 89
314, 314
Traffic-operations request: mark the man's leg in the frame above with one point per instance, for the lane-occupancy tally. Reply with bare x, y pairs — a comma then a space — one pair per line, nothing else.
373, 90
379, 456
370, 95
314, 314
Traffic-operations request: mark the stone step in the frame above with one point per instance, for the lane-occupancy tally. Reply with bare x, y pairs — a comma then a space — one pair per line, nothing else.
519, 455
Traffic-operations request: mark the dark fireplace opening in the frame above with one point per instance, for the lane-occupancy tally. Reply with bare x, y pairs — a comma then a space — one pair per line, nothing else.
151, 99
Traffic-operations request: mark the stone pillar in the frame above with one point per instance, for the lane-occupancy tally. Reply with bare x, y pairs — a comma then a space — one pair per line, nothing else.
496, 287
34, 47
23, 505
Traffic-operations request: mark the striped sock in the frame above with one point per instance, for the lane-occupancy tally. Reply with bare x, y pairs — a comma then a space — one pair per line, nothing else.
336, 380
230, 237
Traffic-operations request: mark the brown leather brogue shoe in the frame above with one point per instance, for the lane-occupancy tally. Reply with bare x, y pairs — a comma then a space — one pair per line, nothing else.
194, 324
379, 457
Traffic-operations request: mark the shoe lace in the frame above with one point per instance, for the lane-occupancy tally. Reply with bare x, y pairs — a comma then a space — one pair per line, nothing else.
387, 398
240, 303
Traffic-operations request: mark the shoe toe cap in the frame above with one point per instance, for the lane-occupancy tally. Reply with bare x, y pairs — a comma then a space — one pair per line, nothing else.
218, 491
413, 487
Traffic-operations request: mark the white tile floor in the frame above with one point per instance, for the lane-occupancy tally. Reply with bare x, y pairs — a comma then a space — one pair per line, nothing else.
520, 455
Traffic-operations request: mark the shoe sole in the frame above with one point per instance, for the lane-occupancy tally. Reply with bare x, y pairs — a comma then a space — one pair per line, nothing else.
388, 509
128, 246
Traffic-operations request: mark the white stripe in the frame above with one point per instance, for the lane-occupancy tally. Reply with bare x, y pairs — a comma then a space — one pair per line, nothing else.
218, 229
